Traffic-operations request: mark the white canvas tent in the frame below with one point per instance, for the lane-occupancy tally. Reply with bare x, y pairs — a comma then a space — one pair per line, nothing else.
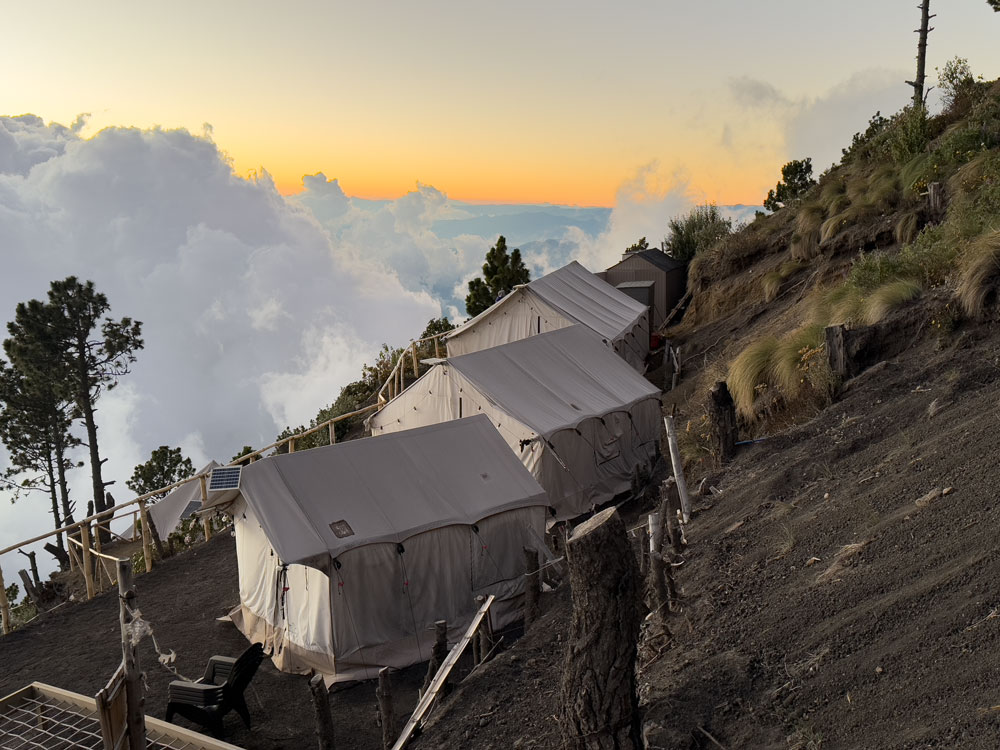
568, 296
579, 418
349, 553
168, 513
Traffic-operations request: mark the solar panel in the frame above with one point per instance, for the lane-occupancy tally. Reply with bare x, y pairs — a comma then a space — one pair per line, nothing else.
224, 478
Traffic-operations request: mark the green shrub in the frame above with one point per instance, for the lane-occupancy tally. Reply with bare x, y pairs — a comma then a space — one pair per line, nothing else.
695, 233
909, 134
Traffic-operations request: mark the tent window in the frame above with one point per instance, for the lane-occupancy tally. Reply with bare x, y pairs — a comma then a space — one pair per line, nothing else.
539, 324
459, 407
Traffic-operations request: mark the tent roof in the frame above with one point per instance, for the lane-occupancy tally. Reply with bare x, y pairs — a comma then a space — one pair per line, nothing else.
661, 260
579, 295
555, 380
586, 299
385, 488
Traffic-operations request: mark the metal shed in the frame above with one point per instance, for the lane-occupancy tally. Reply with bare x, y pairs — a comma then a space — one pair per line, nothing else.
668, 275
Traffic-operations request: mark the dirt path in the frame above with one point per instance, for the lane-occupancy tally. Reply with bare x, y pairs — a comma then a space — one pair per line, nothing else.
77, 647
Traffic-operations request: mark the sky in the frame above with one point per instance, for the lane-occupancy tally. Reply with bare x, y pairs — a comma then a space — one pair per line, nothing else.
275, 192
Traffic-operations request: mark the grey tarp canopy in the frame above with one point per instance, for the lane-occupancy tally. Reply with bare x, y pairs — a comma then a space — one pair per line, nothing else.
567, 296
349, 553
579, 417
168, 513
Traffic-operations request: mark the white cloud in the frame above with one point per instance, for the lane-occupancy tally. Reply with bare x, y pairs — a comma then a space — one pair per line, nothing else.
820, 126
253, 318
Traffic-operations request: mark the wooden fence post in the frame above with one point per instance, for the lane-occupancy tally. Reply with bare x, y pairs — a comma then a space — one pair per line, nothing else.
531, 587
599, 699
385, 708
438, 654
4, 605
88, 567
135, 701
333, 433
660, 597
678, 466
147, 551
291, 445
416, 365
722, 413
643, 550
437, 347
324, 721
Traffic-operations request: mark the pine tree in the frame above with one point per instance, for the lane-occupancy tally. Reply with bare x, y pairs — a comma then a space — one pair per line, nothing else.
501, 273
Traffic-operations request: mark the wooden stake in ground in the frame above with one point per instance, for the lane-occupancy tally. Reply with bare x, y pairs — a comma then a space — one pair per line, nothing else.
134, 698
678, 466
438, 654
147, 550
385, 708
4, 606
661, 598
722, 414
324, 721
599, 701
531, 587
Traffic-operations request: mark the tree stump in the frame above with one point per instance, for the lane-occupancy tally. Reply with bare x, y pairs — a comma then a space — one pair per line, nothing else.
599, 701
836, 352
722, 414
324, 719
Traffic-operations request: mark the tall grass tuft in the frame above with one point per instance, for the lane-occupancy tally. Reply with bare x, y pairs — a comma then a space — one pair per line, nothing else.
791, 357
905, 230
884, 189
886, 298
805, 241
772, 285
843, 305
979, 274
750, 370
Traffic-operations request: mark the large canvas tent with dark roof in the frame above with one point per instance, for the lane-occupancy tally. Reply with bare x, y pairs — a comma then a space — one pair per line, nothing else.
579, 418
349, 553
568, 296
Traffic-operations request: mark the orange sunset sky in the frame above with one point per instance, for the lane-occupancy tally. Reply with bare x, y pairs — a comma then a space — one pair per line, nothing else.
520, 101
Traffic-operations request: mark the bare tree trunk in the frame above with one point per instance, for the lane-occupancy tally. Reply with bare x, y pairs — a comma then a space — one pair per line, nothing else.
918, 82
599, 701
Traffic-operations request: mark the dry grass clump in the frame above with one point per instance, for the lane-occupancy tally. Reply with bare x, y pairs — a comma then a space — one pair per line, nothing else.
805, 241
884, 189
771, 283
979, 274
842, 305
748, 373
794, 357
972, 174
776, 376
832, 189
906, 228
888, 297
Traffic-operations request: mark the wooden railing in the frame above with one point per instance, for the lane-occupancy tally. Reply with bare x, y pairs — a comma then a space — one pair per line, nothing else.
394, 384
79, 534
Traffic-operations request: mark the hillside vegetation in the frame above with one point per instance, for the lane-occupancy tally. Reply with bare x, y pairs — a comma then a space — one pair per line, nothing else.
860, 244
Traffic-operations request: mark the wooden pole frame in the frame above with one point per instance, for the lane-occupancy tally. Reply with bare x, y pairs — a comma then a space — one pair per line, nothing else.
88, 567
147, 551
4, 606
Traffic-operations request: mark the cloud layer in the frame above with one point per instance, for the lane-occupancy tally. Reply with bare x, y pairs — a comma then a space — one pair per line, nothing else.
257, 308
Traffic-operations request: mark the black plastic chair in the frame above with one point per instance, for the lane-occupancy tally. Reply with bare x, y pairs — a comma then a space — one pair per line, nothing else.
206, 702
